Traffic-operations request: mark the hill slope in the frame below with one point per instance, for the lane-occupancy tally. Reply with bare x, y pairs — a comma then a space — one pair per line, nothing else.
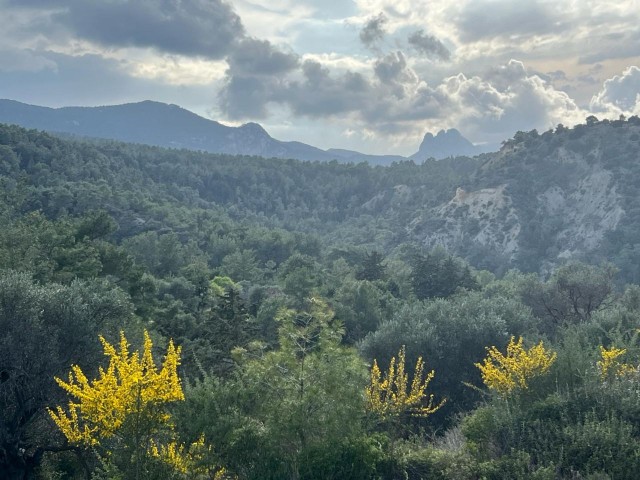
543, 199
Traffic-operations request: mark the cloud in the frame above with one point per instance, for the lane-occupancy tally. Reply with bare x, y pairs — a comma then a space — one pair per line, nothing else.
619, 95
207, 28
505, 18
612, 45
254, 78
246, 97
24, 61
508, 99
322, 94
373, 30
393, 100
260, 57
429, 46
393, 72
390, 67
92, 80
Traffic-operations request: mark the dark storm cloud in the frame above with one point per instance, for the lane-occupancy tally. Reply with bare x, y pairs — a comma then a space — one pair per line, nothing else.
395, 76
207, 28
246, 96
322, 94
315, 93
374, 30
390, 67
429, 46
255, 77
260, 57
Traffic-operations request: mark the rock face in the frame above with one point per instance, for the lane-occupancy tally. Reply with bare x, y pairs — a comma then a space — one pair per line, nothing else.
485, 217
444, 144
590, 210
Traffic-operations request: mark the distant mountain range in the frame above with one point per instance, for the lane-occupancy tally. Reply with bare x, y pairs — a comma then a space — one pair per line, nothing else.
164, 125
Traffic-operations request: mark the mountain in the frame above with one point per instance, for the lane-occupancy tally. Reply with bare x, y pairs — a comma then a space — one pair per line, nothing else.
447, 143
163, 125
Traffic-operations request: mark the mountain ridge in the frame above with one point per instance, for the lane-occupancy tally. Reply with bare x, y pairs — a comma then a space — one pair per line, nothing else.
169, 125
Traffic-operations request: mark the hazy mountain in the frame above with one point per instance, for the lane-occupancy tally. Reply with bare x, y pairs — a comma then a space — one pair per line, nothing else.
447, 143
357, 157
163, 125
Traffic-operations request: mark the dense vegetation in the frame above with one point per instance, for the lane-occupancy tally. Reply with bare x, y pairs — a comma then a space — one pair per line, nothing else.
283, 282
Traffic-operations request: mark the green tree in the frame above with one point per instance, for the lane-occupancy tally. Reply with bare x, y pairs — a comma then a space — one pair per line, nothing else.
288, 405
372, 267
573, 293
122, 415
44, 330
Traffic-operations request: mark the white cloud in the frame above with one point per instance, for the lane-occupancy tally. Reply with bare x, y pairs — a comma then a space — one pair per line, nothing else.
620, 95
177, 70
508, 99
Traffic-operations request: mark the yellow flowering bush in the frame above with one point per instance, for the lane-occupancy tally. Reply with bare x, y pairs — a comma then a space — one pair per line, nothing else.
513, 371
188, 461
131, 385
390, 395
610, 365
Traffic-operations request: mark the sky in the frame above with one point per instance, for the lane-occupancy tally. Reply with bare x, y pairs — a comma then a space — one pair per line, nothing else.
367, 75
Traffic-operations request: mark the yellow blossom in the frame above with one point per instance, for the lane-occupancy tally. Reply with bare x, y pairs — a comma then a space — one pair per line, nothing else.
610, 365
391, 395
513, 371
131, 384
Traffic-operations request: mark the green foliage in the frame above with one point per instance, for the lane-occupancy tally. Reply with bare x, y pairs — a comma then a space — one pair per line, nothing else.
220, 252
452, 333
439, 464
573, 293
291, 406
440, 275
44, 330
372, 267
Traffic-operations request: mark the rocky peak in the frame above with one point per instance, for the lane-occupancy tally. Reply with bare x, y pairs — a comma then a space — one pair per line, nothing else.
446, 143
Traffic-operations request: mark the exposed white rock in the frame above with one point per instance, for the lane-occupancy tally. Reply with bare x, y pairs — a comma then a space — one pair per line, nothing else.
485, 217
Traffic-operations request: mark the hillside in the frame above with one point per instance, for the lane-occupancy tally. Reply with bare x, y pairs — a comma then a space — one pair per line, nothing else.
544, 199
282, 281
541, 200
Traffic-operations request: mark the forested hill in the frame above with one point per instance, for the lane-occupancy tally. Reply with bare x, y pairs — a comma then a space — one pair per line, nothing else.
547, 198
544, 198
320, 330
144, 188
